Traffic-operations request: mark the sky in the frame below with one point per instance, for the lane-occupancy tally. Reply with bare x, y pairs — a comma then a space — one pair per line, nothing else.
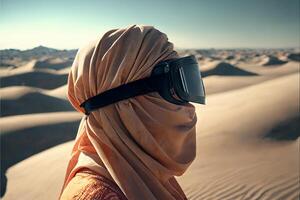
68, 24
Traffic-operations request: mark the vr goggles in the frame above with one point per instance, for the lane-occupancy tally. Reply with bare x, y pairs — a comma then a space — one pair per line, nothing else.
177, 81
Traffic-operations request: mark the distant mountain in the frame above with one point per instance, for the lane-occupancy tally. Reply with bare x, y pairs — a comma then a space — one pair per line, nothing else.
9, 56
41, 50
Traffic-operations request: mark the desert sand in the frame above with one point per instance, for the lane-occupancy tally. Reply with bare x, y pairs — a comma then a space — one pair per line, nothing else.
247, 134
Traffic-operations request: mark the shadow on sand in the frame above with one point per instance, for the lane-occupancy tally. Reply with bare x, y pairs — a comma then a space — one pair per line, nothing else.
286, 131
32, 141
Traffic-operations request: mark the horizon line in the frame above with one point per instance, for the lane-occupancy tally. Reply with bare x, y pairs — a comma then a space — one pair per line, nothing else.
178, 48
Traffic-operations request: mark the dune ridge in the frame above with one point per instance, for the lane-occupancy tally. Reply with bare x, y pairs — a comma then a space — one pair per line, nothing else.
16, 100
39, 79
226, 69
272, 61
53, 63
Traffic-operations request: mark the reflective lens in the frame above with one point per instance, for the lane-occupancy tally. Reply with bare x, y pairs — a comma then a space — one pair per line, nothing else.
194, 84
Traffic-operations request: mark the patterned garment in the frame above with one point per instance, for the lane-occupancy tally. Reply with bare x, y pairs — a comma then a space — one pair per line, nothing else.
87, 185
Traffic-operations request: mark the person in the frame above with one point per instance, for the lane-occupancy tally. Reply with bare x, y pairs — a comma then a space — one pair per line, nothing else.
131, 149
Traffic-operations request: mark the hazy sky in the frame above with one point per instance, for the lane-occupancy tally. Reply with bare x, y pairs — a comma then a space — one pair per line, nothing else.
188, 24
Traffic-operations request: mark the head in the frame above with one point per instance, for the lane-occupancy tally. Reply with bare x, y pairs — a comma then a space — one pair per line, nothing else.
144, 129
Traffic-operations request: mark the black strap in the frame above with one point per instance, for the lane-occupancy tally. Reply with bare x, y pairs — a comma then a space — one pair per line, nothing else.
126, 91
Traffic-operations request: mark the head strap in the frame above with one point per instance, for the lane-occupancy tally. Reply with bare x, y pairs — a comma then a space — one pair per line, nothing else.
126, 91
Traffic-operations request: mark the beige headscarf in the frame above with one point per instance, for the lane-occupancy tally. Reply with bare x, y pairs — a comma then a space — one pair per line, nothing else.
141, 142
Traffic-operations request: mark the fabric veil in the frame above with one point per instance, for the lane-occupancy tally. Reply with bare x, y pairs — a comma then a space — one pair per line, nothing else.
143, 142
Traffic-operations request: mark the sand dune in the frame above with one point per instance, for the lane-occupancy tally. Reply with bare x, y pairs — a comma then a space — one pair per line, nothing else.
44, 129
22, 68
272, 105
230, 57
236, 159
60, 92
40, 79
53, 63
25, 135
16, 100
294, 56
226, 69
271, 61
50, 175
285, 69
265, 173
64, 70
216, 84
29, 67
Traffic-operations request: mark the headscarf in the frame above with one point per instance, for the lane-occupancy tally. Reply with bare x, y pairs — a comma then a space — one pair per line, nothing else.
141, 142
